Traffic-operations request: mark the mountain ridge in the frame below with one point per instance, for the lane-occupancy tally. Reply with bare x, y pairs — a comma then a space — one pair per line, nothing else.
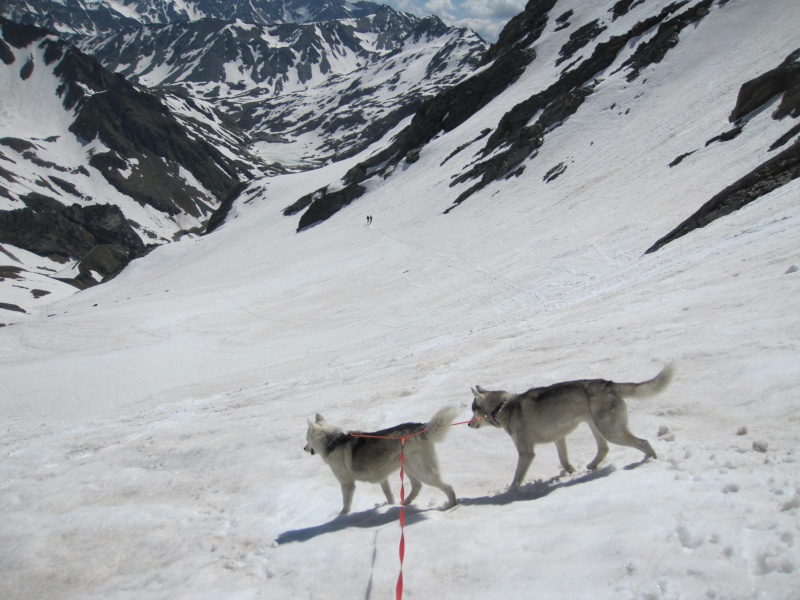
163, 117
104, 16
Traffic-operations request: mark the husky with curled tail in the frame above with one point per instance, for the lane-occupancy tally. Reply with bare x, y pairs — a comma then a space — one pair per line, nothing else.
548, 414
354, 458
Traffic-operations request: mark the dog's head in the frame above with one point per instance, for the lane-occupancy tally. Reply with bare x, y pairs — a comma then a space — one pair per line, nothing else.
314, 434
485, 407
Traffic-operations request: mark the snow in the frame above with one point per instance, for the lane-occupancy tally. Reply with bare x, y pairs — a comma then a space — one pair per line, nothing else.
31, 107
124, 9
153, 427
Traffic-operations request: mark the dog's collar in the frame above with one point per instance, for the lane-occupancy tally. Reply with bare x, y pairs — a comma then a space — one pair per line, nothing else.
492, 416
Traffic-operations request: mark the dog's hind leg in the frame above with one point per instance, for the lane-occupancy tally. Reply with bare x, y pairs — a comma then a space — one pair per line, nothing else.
434, 480
429, 474
416, 486
448, 491
613, 425
561, 446
387, 491
602, 447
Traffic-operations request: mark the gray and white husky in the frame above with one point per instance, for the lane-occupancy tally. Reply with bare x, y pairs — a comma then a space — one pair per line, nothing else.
353, 458
548, 414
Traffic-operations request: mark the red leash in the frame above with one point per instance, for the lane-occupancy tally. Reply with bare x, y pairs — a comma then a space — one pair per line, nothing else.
399, 587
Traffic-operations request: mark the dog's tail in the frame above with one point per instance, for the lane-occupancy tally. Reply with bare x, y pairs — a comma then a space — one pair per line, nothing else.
647, 388
440, 423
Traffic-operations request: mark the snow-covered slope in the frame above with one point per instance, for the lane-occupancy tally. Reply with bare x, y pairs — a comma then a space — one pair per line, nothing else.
153, 427
606, 52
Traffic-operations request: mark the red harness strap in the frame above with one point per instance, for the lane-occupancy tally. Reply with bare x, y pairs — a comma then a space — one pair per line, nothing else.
399, 587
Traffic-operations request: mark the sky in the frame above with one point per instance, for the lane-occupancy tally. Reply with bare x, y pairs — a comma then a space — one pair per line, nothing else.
487, 17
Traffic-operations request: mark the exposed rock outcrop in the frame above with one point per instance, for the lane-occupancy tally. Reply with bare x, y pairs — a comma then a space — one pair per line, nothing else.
782, 168
98, 236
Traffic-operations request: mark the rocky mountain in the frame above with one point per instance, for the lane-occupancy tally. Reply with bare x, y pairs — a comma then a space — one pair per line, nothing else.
94, 170
383, 93
339, 85
616, 48
92, 17
163, 117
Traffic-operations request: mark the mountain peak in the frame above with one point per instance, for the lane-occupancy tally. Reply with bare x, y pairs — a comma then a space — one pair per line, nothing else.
104, 16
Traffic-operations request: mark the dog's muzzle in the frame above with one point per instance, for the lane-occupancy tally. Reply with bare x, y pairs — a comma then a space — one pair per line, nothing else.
309, 449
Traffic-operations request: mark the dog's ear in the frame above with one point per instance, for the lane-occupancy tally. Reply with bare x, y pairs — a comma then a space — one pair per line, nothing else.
478, 392
320, 419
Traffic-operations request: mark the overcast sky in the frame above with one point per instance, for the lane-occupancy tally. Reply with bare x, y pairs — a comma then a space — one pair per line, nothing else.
487, 17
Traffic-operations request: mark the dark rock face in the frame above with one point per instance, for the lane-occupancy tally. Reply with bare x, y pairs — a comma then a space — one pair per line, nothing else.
106, 260
328, 205
18, 36
579, 38
47, 233
770, 175
521, 31
562, 99
136, 124
11, 307
107, 224
666, 37
218, 216
777, 171
785, 79
98, 235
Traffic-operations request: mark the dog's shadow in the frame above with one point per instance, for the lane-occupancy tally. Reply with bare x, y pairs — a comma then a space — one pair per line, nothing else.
372, 518
538, 489
364, 520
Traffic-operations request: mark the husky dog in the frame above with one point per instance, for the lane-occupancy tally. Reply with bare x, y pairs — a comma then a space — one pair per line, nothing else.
353, 458
548, 414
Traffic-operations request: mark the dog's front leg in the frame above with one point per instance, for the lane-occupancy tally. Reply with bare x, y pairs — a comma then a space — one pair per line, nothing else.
348, 489
387, 491
563, 457
523, 463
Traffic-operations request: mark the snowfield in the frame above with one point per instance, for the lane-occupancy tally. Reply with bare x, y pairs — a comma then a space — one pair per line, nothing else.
153, 427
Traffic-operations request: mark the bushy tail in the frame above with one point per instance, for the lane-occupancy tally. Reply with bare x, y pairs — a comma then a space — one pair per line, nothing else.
647, 388
440, 423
